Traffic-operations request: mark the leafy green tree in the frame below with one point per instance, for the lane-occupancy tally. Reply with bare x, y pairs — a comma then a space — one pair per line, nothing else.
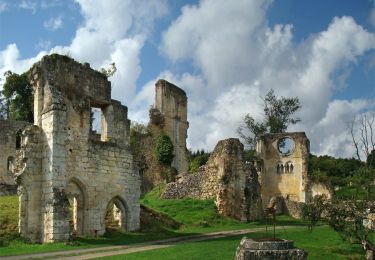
278, 115
197, 159
312, 211
18, 97
163, 149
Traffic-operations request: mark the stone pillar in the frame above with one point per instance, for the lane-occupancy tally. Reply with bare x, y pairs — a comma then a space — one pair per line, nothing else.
171, 101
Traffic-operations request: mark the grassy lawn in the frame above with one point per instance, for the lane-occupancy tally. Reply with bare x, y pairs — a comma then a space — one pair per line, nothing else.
8, 214
321, 243
195, 216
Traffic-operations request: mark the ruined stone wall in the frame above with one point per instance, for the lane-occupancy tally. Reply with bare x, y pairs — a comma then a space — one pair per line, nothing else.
8, 148
284, 173
320, 189
227, 179
171, 101
66, 162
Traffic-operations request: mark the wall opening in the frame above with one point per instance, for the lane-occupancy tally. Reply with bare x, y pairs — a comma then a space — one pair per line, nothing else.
76, 208
99, 122
96, 120
115, 216
18, 139
10, 164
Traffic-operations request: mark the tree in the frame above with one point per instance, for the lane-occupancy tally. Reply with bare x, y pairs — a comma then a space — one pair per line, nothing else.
362, 131
164, 149
17, 102
278, 115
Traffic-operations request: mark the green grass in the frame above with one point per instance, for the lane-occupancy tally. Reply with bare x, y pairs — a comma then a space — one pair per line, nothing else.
321, 243
351, 192
8, 214
196, 216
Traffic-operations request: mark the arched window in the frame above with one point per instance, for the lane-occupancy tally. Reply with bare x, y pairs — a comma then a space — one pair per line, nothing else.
10, 164
18, 139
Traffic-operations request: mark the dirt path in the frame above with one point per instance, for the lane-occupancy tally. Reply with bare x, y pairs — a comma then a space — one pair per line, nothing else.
91, 253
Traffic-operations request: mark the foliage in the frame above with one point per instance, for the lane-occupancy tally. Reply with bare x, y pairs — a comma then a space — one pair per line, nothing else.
197, 159
137, 133
346, 217
17, 99
363, 178
278, 115
163, 149
370, 161
110, 71
333, 170
312, 211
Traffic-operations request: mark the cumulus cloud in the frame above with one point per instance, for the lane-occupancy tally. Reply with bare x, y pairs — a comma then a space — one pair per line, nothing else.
240, 57
112, 31
54, 23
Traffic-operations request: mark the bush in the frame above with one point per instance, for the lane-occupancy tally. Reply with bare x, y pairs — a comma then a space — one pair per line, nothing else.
163, 150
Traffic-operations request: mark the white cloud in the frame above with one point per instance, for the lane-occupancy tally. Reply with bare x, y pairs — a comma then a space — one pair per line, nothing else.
54, 23
29, 5
239, 57
112, 31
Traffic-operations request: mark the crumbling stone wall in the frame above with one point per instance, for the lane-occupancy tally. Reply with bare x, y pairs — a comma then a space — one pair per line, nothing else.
170, 116
227, 179
167, 116
64, 164
10, 140
284, 174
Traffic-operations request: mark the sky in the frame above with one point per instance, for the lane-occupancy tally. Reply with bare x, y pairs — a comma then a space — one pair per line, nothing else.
226, 55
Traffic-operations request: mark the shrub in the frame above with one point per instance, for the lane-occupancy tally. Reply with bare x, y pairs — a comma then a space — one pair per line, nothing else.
163, 150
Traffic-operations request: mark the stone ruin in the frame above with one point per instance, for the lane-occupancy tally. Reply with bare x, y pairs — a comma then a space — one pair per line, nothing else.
68, 175
10, 143
168, 116
227, 179
283, 172
252, 249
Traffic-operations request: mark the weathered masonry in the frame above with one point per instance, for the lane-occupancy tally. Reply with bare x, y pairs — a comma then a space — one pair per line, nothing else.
71, 177
283, 168
171, 101
10, 144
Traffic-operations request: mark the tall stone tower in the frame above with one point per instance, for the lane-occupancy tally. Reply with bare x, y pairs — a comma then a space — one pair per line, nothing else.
284, 166
171, 102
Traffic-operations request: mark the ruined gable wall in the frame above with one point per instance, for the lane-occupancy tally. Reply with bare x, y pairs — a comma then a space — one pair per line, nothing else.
73, 158
293, 184
226, 179
8, 149
171, 101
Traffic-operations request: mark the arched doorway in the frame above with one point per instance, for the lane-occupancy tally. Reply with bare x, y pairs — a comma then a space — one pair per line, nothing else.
76, 196
115, 215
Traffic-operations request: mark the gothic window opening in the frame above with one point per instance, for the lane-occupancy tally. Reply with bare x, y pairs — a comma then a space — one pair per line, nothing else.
18, 139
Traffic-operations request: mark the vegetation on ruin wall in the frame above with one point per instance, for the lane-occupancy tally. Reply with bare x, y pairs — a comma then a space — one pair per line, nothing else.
163, 149
197, 159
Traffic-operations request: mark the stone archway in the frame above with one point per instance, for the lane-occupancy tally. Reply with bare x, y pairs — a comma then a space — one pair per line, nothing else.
115, 215
77, 205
